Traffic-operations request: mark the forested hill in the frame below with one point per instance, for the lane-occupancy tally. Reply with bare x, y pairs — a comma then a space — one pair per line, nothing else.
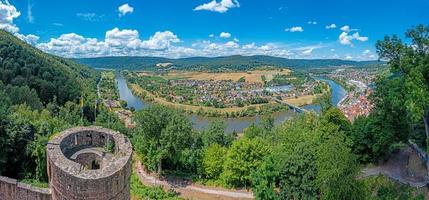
217, 63
27, 72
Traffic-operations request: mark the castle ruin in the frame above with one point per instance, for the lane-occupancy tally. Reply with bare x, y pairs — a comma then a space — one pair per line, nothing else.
90, 163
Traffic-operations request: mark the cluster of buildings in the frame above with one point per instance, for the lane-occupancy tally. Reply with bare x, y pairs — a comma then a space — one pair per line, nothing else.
356, 103
365, 76
353, 107
227, 92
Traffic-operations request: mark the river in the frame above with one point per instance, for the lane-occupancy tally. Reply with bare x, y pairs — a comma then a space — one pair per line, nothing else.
232, 124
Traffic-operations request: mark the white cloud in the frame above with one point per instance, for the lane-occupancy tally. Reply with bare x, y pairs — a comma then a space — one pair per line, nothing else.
160, 41
125, 9
30, 38
307, 50
8, 13
211, 35
346, 37
366, 52
360, 38
220, 7
331, 26
345, 28
92, 17
116, 42
231, 44
294, 29
312, 22
225, 35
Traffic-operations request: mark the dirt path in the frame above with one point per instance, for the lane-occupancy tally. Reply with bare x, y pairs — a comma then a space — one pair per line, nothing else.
404, 166
190, 190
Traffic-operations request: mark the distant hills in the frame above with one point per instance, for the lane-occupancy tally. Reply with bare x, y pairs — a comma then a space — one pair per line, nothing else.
235, 62
26, 70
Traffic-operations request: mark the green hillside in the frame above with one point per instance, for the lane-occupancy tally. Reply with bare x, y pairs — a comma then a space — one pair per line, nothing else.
25, 68
236, 62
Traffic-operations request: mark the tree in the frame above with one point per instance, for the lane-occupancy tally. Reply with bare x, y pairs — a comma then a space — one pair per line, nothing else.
215, 134
335, 116
242, 158
161, 135
213, 160
265, 179
4, 112
337, 169
409, 64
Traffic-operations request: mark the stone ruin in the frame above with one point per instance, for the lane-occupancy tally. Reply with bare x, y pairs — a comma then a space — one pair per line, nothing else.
89, 163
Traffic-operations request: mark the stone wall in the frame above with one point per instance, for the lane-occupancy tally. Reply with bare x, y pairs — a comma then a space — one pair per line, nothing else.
11, 189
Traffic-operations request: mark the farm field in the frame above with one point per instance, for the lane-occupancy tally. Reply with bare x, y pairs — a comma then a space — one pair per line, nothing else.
254, 76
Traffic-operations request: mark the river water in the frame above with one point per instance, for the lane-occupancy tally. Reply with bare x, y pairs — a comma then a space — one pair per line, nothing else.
232, 124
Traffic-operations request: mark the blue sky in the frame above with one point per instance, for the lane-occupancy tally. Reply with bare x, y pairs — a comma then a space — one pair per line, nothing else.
183, 28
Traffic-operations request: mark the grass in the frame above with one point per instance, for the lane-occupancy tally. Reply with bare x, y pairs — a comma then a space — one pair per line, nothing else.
301, 100
35, 183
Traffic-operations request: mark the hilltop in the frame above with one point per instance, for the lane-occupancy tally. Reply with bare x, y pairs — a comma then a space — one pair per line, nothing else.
25, 68
236, 62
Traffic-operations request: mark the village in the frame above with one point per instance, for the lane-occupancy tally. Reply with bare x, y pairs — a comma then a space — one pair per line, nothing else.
225, 93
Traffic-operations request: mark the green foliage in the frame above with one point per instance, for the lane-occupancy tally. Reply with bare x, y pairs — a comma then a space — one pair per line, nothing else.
35, 183
242, 80
409, 64
29, 69
311, 159
265, 179
383, 188
142, 192
161, 135
242, 158
213, 160
30, 79
215, 134
336, 169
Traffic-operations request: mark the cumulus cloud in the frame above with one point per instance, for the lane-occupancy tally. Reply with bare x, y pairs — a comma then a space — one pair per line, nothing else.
8, 13
312, 22
331, 26
294, 29
30, 38
346, 37
116, 42
225, 35
160, 41
125, 9
220, 7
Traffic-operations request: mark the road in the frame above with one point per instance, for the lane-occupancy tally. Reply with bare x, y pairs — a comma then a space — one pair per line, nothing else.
190, 190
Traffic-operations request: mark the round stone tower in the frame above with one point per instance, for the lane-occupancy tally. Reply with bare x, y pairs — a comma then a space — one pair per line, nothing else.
90, 163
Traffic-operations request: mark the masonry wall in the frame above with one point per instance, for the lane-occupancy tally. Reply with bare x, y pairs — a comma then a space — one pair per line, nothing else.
11, 189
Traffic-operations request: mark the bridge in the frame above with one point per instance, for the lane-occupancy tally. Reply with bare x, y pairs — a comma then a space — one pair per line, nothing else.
293, 107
